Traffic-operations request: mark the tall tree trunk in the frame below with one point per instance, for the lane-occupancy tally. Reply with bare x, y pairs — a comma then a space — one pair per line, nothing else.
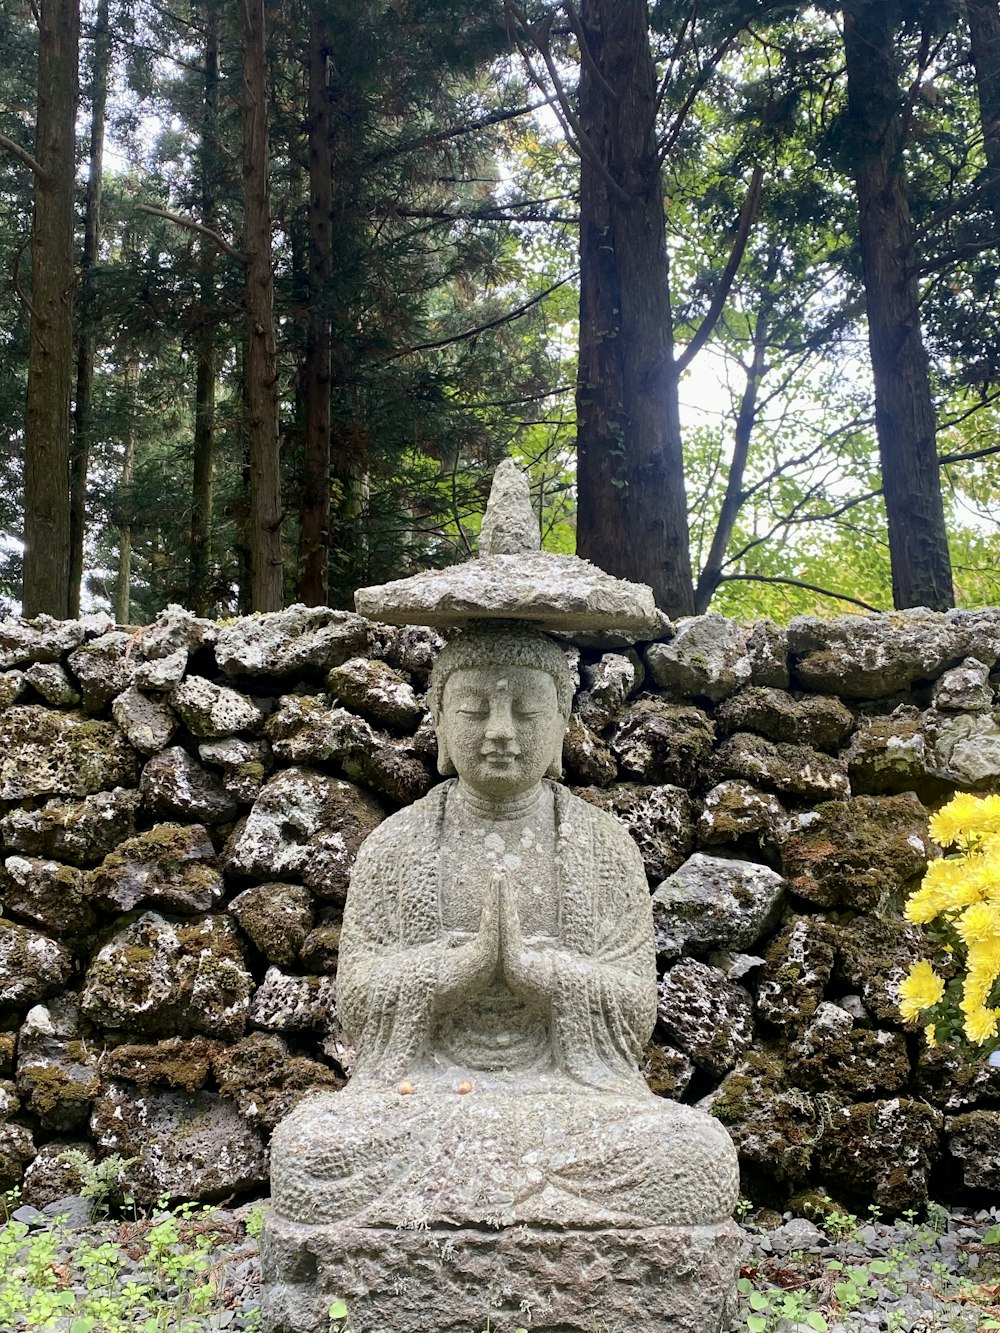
984, 32
261, 366
199, 569
123, 581
904, 410
314, 533
632, 510
50, 363
83, 411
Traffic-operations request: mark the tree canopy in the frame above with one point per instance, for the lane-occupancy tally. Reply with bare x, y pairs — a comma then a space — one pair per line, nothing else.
280, 290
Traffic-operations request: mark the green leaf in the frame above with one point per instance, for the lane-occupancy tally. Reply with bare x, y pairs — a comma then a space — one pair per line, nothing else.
758, 1301
880, 1266
338, 1310
815, 1320
756, 1323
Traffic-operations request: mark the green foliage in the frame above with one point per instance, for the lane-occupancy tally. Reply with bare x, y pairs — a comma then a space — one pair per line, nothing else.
449, 222
102, 1180
776, 1295
88, 1293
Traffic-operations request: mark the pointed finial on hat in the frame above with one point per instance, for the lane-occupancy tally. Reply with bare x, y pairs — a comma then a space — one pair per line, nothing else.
509, 525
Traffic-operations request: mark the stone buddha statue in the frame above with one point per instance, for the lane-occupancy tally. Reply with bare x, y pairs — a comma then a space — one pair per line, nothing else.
497, 977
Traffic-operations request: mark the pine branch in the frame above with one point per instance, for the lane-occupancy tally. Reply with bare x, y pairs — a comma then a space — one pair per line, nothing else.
986, 401
15, 277
191, 225
748, 215
21, 154
586, 55
704, 74
507, 318
798, 583
970, 456
443, 136
497, 214
563, 106
734, 498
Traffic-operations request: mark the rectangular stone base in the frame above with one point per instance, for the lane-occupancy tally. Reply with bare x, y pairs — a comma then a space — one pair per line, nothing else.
655, 1280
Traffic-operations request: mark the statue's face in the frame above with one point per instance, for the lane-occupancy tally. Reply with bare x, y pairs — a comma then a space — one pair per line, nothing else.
502, 727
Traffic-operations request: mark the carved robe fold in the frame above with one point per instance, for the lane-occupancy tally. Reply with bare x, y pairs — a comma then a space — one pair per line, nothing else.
604, 1003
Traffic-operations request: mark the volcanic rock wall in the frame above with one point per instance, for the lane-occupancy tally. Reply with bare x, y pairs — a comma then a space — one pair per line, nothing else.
180, 806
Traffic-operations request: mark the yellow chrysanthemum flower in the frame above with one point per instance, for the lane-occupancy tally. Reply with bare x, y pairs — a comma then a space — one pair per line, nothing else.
963, 889
924, 904
929, 1034
981, 1025
919, 989
953, 883
979, 923
976, 991
984, 956
959, 820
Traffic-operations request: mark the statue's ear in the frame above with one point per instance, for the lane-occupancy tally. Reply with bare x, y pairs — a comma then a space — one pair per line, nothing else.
555, 768
445, 765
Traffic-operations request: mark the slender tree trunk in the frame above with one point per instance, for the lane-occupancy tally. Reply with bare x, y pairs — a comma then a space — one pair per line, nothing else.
244, 599
632, 510
261, 365
205, 355
984, 32
83, 411
50, 362
711, 575
123, 581
314, 533
904, 410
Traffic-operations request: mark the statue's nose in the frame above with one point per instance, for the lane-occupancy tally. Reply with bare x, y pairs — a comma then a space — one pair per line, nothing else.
500, 726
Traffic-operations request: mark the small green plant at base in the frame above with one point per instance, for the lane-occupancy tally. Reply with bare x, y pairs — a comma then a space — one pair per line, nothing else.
770, 1307
101, 1181
91, 1292
255, 1221
9, 1201
852, 1286
840, 1225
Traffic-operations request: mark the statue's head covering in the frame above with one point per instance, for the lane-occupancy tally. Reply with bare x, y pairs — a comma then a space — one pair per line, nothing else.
513, 579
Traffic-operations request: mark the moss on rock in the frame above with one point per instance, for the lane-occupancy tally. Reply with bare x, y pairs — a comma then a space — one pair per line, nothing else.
159, 977
774, 1125
170, 865
655, 742
276, 918
858, 853
174, 1063
882, 1151
45, 753
266, 1081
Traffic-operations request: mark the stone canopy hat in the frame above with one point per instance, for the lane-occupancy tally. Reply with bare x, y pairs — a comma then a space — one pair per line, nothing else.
513, 579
